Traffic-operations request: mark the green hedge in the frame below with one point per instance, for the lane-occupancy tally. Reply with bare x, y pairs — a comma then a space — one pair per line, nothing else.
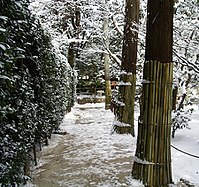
34, 89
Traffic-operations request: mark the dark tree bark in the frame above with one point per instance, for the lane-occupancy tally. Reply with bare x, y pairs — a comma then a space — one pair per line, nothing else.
125, 112
152, 163
73, 51
159, 37
174, 97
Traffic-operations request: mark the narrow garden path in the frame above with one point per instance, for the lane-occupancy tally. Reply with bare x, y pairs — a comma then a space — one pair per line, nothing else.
88, 155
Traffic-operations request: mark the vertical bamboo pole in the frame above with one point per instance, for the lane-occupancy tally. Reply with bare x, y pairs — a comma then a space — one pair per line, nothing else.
167, 84
161, 123
169, 121
145, 118
153, 105
155, 130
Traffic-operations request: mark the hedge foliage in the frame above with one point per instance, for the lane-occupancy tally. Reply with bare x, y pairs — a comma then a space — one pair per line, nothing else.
34, 88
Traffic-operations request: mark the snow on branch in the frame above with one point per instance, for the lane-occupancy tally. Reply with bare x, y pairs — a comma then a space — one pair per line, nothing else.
125, 73
187, 63
121, 83
116, 25
113, 56
5, 77
118, 103
74, 40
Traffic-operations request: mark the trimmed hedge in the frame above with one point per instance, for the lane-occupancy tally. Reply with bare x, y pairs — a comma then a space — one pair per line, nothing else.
34, 89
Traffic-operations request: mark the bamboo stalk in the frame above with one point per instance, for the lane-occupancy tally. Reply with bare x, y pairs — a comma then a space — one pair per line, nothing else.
169, 121
168, 124
165, 125
159, 122
138, 169
164, 121
150, 120
161, 139
153, 118
145, 118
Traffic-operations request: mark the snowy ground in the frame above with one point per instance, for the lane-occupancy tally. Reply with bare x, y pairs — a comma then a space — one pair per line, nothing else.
185, 166
89, 155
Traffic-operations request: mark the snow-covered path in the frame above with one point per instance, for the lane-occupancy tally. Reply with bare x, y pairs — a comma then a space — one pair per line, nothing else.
89, 155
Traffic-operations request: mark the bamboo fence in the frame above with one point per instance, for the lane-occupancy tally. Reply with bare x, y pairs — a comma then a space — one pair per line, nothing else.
152, 162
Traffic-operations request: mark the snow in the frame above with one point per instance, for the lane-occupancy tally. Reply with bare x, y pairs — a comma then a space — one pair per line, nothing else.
120, 124
3, 17
3, 47
183, 88
138, 160
118, 103
145, 81
185, 166
121, 83
89, 155
125, 73
5, 77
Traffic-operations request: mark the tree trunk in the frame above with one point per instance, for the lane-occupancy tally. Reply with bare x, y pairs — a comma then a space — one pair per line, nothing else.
152, 163
71, 61
106, 64
35, 154
27, 167
127, 84
73, 51
174, 97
